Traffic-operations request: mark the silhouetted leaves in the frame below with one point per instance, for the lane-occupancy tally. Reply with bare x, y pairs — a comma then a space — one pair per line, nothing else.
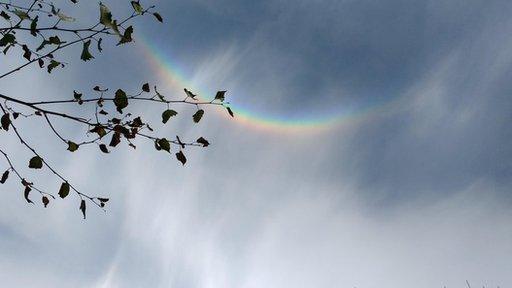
203, 142
53, 64
86, 54
189, 93
45, 201
158, 17
105, 15
127, 36
72, 146
230, 112
198, 115
167, 114
35, 163
181, 157
5, 121
7, 39
33, 26
27, 54
5, 175
220, 96
103, 148
100, 130
82, 207
120, 100
5, 15
164, 144
145, 87
64, 190
26, 194
116, 139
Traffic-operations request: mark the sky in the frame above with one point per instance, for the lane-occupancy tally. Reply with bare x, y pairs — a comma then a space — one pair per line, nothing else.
371, 147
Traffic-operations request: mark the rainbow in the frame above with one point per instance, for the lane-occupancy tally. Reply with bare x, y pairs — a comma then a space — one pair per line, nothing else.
171, 72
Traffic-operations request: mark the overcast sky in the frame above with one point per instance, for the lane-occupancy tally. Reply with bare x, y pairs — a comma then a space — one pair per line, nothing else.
409, 186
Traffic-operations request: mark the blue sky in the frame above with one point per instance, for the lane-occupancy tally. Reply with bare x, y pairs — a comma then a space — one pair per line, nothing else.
416, 194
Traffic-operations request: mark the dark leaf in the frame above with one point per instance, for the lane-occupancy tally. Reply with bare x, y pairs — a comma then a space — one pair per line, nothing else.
105, 15
40, 62
15, 115
98, 129
181, 157
5, 15
64, 190
198, 115
86, 54
4, 177
103, 112
230, 112
53, 64
82, 207
72, 146
167, 114
120, 100
203, 142
99, 44
6, 121
26, 52
189, 93
103, 148
145, 88
26, 193
127, 36
103, 199
45, 201
7, 39
164, 144
33, 26
158, 17
35, 163
116, 139
220, 96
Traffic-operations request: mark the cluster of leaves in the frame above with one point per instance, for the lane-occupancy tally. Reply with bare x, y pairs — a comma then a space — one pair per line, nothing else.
110, 125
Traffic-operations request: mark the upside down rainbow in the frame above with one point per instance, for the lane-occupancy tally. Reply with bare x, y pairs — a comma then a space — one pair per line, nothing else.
171, 72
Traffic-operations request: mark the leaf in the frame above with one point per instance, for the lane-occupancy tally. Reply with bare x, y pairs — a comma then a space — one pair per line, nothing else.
86, 54
99, 44
103, 199
103, 148
7, 39
100, 130
120, 100
181, 157
158, 17
220, 96
127, 36
52, 65
26, 52
77, 95
189, 93
26, 193
5, 15
198, 115
33, 26
45, 201
230, 112
40, 62
203, 142
72, 146
15, 115
145, 88
105, 15
4, 177
82, 207
116, 139
5, 121
137, 7
164, 144
64, 190
35, 163
167, 114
